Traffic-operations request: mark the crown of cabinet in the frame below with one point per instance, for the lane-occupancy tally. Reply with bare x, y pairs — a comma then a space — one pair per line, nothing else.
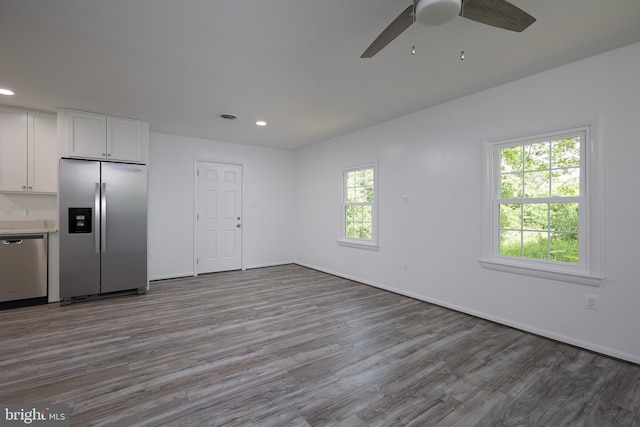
96, 136
28, 151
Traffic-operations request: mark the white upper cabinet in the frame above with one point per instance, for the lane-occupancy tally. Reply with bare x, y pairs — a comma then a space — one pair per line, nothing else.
126, 139
42, 160
85, 134
13, 149
96, 136
28, 160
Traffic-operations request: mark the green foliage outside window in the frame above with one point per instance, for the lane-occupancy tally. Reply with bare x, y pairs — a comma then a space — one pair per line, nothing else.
359, 204
535, 221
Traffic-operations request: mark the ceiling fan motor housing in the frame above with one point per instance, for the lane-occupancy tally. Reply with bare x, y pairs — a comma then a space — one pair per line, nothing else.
437, 12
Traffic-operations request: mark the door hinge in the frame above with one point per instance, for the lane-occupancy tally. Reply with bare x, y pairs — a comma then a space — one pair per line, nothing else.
197, 217
197, 261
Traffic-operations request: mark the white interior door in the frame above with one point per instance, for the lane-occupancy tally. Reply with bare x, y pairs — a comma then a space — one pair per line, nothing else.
218, 217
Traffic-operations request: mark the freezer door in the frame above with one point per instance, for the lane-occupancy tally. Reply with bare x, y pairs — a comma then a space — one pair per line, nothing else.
123, 227
79, 257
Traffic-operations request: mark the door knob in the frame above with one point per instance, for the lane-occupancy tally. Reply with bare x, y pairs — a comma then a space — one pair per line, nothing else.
238, 225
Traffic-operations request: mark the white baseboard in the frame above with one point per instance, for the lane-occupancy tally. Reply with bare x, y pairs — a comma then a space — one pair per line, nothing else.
270, 264
171, 276
192, 274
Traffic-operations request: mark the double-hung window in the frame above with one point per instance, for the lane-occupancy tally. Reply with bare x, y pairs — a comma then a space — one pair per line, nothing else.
359, 207
541, 206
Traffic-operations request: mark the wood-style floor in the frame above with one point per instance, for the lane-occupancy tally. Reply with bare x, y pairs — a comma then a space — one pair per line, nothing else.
290, 346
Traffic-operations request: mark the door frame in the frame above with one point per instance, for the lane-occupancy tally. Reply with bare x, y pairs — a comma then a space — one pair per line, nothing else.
195, 208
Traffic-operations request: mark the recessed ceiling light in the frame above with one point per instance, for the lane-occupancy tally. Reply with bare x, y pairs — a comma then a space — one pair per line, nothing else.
6, 92
261, 123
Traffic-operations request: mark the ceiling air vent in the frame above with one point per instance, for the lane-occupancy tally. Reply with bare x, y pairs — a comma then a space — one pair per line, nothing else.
227, 116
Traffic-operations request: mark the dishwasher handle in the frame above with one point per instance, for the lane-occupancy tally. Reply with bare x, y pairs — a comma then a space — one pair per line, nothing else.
12, 242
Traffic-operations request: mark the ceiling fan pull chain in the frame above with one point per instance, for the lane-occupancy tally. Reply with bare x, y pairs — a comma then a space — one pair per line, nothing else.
462, 32
413, 31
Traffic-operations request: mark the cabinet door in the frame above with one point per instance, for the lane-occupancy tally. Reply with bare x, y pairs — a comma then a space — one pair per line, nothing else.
86, 135
13, 149
125, 139
42, 146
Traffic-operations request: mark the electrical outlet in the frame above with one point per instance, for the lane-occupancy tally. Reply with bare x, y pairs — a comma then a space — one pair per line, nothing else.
591, 302
406, 266
27, 212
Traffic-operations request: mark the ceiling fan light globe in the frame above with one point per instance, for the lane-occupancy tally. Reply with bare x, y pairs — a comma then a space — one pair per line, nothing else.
437, 12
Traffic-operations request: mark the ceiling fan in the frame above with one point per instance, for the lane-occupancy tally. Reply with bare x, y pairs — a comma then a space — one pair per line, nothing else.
497, 13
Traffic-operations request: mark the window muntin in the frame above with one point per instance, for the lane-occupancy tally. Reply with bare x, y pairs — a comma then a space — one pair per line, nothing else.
540, 193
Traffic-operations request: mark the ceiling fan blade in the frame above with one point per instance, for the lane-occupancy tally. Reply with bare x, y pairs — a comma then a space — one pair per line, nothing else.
401, 23
497, 13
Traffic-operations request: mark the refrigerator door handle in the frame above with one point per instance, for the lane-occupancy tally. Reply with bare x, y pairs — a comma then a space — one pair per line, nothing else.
96, 210
103, 217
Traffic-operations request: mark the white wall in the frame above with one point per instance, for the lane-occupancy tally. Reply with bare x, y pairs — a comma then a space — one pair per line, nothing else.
434, 157
268, 206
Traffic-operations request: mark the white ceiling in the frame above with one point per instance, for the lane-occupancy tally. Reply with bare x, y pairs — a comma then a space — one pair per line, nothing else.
294, 63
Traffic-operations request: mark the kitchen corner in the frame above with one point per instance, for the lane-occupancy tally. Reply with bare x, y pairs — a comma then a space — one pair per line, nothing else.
28, 199
33, 144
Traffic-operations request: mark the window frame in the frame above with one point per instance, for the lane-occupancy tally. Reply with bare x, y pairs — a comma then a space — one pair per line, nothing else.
588, 270
343, 240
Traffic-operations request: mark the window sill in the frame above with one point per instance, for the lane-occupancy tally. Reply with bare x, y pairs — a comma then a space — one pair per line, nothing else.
370, 246
562, 276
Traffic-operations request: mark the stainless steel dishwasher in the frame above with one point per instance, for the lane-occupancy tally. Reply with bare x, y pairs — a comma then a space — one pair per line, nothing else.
23, 269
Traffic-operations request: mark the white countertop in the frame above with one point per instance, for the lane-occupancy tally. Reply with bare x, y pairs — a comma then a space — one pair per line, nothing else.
25, 227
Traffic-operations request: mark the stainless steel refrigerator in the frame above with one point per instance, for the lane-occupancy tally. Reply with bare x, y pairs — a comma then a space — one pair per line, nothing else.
103, 229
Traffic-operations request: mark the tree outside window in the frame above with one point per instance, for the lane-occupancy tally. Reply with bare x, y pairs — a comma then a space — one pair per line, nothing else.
539, 202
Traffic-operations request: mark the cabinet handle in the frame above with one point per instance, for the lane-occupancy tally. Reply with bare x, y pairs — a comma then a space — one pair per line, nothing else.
104, 154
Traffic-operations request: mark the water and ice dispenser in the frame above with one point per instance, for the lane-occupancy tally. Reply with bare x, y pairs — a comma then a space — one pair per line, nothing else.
80, 220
